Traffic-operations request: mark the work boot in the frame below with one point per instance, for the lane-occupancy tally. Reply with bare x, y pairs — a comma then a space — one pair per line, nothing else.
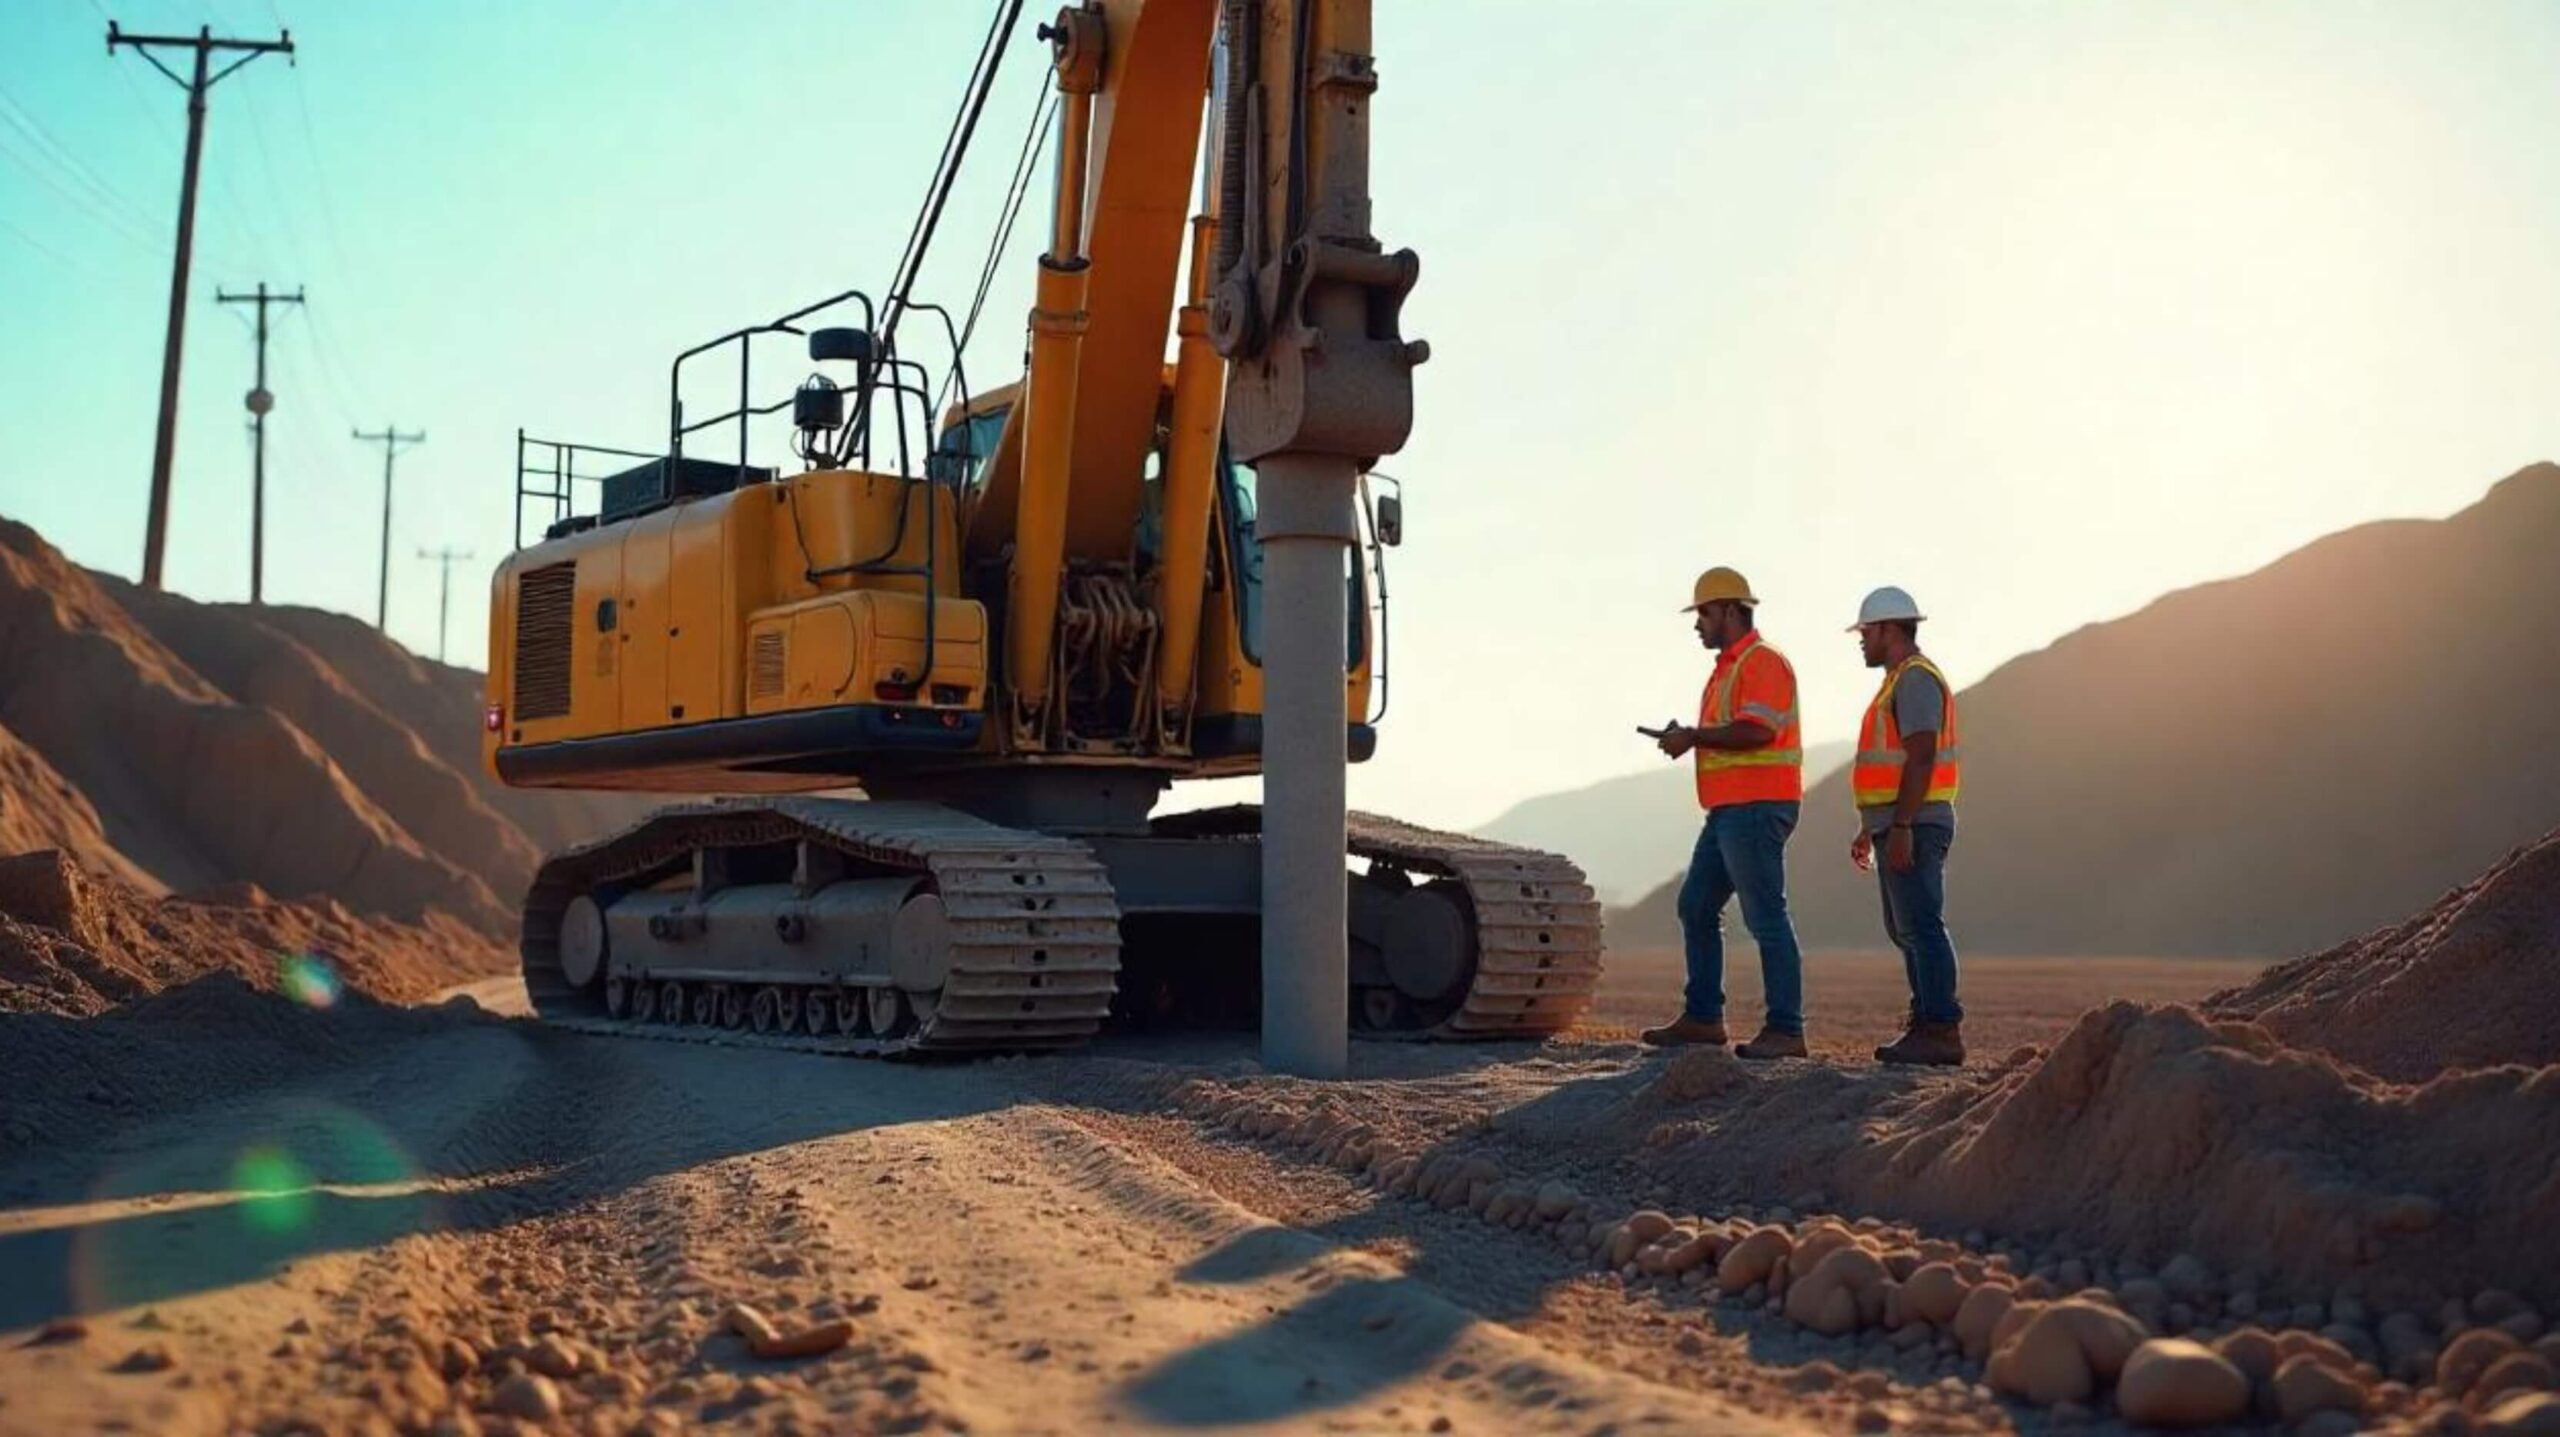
1684, 1032
1772, 1044
1939, 1045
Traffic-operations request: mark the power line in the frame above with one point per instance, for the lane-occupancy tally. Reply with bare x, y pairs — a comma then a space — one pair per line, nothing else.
282, 211
88, 205
203, 45
390, 439
68, 260
51, 147
320, 179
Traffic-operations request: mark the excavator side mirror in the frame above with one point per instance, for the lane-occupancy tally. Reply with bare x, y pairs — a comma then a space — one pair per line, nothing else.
1388, 520
852, 344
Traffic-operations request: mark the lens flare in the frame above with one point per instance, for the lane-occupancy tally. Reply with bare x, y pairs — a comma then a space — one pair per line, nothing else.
308, 979
275, 1190
271, 1181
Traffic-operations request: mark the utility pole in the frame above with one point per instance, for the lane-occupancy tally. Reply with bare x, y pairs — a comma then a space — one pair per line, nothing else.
446, 557
260, 401
390, 439
164, 447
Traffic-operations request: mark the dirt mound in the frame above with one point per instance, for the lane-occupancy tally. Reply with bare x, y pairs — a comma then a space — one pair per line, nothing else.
2156, 1131
261, 666
2471, 982
441, 704
193, 787
77, 944
2232, 770
178, 746
39, 808
64, 1078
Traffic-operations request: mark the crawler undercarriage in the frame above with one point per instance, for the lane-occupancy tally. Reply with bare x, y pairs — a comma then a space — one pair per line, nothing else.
890, 928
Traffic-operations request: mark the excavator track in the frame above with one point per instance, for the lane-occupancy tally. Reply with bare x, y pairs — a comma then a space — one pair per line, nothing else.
1534, 920
1034, 935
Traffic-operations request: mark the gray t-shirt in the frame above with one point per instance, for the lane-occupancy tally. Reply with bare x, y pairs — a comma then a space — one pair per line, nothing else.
1919, 703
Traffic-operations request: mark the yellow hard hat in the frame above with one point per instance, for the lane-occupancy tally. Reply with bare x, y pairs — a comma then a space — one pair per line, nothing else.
1720, 585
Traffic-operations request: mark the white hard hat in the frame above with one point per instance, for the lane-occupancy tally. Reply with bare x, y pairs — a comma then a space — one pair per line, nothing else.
1884, 604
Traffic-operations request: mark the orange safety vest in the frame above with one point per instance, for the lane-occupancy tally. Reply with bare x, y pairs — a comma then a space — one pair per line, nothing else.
1772, 773
1876, 776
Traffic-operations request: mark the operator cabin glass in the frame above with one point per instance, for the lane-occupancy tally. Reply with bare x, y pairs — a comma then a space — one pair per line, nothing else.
960, 460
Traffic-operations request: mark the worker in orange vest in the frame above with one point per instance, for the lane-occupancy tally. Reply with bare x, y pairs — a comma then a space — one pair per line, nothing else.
1749, 750
1905, 778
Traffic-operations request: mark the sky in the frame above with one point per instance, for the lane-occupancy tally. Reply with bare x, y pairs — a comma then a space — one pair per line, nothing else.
2037, 310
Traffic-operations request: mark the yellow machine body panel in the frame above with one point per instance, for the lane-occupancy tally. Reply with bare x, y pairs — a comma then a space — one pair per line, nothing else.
797, 595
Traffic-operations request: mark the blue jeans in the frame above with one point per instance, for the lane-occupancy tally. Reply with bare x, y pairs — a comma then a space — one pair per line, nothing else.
1915, 918
1743, 850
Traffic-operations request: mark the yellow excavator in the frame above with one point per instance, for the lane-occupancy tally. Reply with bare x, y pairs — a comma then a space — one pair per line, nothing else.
1013, 619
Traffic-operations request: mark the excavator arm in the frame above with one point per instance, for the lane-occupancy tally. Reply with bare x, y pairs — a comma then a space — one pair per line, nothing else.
1287, 326
1293, 293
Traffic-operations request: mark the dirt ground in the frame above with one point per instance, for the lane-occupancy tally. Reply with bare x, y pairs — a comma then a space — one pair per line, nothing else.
452, 1222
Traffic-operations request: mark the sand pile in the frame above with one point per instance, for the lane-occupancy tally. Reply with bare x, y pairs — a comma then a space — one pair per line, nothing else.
193, 787
39, 808
180, 746
2470, 982
260, 666
76, 944
2155, 1132
441, 704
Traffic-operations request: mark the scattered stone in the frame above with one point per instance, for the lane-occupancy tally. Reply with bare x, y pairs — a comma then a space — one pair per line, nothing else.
1979, 1316
2469, 1355
2524, 1371
2043, 1362
2185, 1278
2173, 1382
2253, 1350
150, 1357
553, 1358
455, 1359
2525, 1414
1749, 1262
528, 1394
1842, 1292
2304, 1385
60, 1330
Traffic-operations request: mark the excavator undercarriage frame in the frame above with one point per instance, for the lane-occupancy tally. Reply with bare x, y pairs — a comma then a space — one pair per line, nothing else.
889, 928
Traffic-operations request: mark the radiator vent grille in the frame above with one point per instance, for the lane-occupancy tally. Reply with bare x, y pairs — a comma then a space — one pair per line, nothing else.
764, 668
546, 606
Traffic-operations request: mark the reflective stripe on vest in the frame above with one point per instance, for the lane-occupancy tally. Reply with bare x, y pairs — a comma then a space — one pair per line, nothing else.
1721, 771
1875, 775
